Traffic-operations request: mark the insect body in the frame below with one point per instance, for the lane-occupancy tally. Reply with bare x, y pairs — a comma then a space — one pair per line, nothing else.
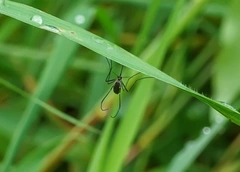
117, 86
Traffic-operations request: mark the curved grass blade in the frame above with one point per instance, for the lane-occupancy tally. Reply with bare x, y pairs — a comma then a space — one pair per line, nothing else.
48, 107
108, 50
223, 78
48, 81
111, 51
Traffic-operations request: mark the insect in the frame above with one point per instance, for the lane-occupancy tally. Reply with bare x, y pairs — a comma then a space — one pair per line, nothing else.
117, 86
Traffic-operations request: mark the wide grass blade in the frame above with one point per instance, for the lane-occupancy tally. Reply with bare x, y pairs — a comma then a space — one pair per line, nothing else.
57, 64
223, 73
47, 107
100, 154
108, 50
131, 122
45, 21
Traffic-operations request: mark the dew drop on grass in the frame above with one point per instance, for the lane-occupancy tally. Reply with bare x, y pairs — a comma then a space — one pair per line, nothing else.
37, 19
206, 130
228, 106
98, 39
51, 29
79, 19
110, 47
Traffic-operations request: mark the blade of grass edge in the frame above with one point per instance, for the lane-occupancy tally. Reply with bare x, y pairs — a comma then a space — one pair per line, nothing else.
146, 28
133, 117
108, 50
192, 149
222, 79
99, 156
48, 107
49, 79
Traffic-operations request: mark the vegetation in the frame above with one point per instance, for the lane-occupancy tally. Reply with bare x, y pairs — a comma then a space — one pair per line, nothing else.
52, 79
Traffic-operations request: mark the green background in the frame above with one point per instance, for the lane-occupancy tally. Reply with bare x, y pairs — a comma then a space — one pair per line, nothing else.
52, 80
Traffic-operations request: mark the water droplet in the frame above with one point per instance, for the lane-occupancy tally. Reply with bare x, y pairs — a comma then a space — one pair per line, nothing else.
110, 47
37, 19
228, 106
51, 29
79, 19
206, 130
98, 39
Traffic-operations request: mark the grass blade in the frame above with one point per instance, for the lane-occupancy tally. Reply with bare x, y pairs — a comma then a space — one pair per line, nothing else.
49, 79
108, 50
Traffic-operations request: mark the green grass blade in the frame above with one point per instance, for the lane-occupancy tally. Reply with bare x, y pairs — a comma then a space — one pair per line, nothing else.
128, 128
47, 107
31, 160
99, 157
147, 24
224, 73
105, 48
192, 149
57, 64
170, 112
108, 50
133, 117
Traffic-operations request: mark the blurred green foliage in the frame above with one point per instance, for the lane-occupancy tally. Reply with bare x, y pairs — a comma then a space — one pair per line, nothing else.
169, 131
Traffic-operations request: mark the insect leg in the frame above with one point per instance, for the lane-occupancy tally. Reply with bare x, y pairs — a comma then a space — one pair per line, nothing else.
110, 69
121, 71
110, 81
109, 63
136, 80
119, 105
124, 86
132, 77
104, 99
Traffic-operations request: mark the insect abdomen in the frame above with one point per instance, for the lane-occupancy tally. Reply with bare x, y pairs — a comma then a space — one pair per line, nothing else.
117, 87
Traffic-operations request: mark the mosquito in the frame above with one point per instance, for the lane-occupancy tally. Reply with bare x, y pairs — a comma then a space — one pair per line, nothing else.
117, 86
